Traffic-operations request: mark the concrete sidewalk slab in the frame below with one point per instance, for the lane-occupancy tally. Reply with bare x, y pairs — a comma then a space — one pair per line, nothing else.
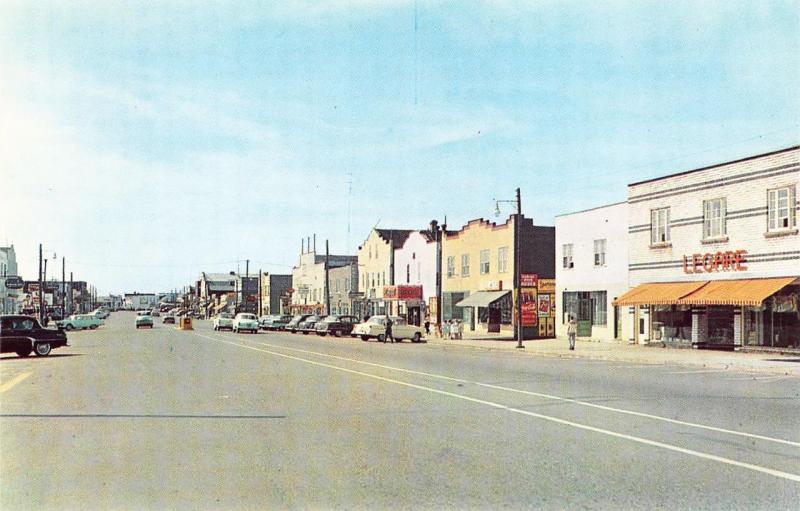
768, 363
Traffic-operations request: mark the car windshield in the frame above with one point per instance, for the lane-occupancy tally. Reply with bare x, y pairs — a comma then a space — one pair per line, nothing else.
247, 316
378, 320
225, 315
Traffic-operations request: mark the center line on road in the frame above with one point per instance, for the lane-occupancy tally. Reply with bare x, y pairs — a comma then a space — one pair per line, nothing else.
545, 396
10, 383
756, 468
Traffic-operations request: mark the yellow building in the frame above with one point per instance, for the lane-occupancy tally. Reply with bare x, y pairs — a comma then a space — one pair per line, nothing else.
376, 268
478, 273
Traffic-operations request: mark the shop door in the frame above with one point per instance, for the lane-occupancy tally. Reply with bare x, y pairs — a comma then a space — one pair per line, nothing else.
617, 324
494, 319
585, 317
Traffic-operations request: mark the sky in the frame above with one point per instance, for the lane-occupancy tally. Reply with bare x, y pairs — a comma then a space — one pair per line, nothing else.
146, 142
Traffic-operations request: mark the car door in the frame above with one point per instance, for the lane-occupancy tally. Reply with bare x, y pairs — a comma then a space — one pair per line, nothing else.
401, 330
9, 339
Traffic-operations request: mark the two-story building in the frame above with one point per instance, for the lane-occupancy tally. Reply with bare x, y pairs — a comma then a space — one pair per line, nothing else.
274, 293
342, 282
139, 301
376, 269
309, 281
10, 298
478, 265
592, 271
714, 254
416, 270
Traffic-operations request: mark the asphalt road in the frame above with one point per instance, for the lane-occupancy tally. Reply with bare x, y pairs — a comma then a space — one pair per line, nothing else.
169, 419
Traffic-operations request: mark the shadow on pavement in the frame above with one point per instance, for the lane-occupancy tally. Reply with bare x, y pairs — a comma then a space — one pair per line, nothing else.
32, 357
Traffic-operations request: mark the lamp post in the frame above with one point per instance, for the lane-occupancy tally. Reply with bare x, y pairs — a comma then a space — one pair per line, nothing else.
517, 259
42, 278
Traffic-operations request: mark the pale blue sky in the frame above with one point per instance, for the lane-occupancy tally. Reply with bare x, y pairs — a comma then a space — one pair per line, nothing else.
149, 141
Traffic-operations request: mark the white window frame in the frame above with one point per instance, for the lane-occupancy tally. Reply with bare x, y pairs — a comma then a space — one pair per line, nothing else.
600, 252
451, 266
484, 267
465, 265
659, 226
566, 256
781, 211
502, 260
714, 218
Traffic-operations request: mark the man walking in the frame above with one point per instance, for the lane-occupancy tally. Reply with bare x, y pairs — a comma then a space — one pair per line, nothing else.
572, 330
388, 334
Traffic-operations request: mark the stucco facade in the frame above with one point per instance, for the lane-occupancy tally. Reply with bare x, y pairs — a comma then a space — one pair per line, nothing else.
592, 264
376, 266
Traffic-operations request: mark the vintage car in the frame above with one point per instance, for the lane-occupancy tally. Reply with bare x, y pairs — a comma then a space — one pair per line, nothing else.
168, 318
223, 321
245, 321
308, 325
100, 313
143, 320
155, 313
375, 328
336, 325
292, 325
274, 322
80, 322
23, 334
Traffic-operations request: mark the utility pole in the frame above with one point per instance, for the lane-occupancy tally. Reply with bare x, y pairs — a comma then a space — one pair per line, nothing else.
260, 302
63, 287
70, 293
517, 269
246, 280
327, 281
41, 294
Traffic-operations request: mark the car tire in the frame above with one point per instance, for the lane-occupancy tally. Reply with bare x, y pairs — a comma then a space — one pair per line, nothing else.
381, 338
92, 327
22, 353
364, 337
42, 349
305, 332
416, 338
321, 334
68, 326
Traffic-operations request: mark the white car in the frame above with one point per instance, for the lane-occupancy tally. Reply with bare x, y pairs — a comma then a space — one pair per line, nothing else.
100, 313
245, 321
80, 322
375, 328
223, 321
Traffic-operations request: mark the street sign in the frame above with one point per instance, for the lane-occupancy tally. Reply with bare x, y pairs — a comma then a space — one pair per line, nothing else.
14, 282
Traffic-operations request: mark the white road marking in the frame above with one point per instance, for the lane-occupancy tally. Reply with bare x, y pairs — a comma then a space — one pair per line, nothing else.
762, 379
10, 383
703, 371
756, 468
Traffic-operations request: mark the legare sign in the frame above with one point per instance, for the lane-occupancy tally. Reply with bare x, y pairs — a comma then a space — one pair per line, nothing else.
720, 261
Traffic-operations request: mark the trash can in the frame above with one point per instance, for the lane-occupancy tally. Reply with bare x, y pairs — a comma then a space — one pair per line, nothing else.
185, 323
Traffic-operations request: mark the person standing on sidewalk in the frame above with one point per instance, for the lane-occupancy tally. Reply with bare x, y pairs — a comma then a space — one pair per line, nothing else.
572, 330
388, 334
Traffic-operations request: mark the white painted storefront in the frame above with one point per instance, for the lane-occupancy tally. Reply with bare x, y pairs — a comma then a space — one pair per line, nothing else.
592, 270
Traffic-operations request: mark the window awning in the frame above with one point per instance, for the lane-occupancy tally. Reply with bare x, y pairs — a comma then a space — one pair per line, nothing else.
658, 293
482, 298
742, 292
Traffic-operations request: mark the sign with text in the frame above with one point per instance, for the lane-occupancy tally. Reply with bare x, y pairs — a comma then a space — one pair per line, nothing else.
14, 282
547, 286
719, 261
402, 292
529, 280
529, 306
544, 306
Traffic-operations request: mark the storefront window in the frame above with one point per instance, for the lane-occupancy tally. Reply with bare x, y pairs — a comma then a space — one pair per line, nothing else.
672, 323
776, 323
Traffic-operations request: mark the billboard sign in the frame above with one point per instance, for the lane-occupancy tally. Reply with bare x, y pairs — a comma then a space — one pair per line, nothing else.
14, 282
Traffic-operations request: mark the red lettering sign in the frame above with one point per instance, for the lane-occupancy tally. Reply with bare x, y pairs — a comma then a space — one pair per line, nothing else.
709, 263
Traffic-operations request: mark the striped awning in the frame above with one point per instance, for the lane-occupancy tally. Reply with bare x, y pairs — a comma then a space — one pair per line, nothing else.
658, 293
741, 292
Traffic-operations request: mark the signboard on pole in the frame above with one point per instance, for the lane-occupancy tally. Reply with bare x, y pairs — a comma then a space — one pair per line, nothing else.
14, 282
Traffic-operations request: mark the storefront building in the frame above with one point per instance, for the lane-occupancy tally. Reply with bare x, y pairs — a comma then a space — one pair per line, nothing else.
274, 293
376, 263
308, 279
415, 272
342, 281
478, 264
715, 255
592, 271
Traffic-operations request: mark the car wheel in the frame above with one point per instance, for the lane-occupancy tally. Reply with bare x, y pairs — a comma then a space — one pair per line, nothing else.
337, 333
42, 349
305, 332
364, 337
381, 338
416, 337
321, 334
92, 327
23, 352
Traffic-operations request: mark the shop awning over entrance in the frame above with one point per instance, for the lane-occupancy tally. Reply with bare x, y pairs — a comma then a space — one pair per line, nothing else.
742, 292
658, 293
482, 298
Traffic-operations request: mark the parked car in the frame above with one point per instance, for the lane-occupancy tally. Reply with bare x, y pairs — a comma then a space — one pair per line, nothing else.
143, 320
245, 321
292, 325
168, 318
336, 325
375, 328
309, 324
155, 313
100, 313
80, 322
276, 322
223, 321
23, 334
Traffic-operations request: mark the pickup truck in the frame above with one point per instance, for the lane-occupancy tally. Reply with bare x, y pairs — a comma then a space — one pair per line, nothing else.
23, 334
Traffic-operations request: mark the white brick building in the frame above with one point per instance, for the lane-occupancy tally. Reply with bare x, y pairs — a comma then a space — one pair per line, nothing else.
715, 254
592, 271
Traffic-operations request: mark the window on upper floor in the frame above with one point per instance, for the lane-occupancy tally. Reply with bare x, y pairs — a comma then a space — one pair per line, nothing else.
502, 259
781, 211
599, 252
659, 226
484, 268
465, 265
566, 255
451, 266
714, 213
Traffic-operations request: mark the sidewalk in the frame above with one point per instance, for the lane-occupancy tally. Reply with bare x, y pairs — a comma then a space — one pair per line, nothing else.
638, 354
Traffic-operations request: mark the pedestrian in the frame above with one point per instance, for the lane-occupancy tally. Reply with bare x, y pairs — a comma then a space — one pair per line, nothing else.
572, 330
388, 334
445, 330
427, 326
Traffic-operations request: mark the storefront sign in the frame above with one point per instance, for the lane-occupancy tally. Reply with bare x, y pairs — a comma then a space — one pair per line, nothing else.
719, 261
14, 282
402, 292
529, 306
529, 280
547, 286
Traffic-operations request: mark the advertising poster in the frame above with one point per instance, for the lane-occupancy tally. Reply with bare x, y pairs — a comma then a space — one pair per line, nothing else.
544, 306
529, 306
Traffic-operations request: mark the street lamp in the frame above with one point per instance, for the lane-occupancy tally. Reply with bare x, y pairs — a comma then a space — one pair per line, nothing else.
517, 270
42, 277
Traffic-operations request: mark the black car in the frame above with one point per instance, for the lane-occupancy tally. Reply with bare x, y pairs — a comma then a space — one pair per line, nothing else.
168, 318
23, 335
336, 325
309, 324
293, 325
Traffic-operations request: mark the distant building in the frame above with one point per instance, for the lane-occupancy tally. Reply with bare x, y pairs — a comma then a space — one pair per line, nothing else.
274, 293
376, 262
416, 264
10, 299
308, 280
139, 301
343, 281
